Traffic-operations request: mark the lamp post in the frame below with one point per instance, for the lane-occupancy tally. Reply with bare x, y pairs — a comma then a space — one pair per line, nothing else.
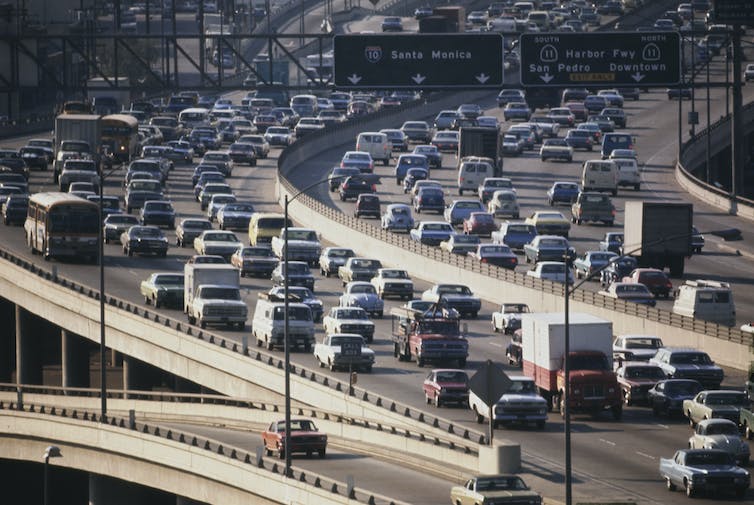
286, 346
725, 234
52, 451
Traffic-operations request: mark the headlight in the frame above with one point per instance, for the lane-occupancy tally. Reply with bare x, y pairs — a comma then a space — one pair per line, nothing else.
611, 390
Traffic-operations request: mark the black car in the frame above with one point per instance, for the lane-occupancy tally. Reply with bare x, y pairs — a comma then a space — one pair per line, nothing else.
666, 397
144, 240
14, 209
339, 174
241, 152
110, 204
298, 275
367, 204
115, 224
354, 186
158, 213
617, 270
34, 157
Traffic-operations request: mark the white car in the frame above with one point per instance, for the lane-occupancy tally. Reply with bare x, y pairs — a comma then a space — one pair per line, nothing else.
721, 434
504, 203
508, 318
557, 149
349, 320
636, 347
554, 271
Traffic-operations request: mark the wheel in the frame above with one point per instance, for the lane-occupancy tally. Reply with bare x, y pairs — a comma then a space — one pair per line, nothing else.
669, 484
270, 345
691, 421
656, 410
578, 222
322, 453
130, 252
437, 401
540, 425
479, 417
690, 492
147, 300
157, 303
748, 432
617, 412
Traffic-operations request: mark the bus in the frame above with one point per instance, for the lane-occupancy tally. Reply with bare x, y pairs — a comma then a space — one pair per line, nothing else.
120, 134
62, 225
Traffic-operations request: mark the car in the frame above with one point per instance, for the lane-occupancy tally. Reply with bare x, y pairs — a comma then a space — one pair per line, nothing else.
524, 134
255, 261
408, 161
460, 244
595, 103
362, 294
717, 404
512, 145
163, 289
279, 136
491, 184
721, 434
562, 116
417, 131
591, 206
429, 198
454, 296
358, 269
554, 271
299, 294
479, 223
498, 489
14, 209
588, 264
332, 258
612, 241
431, 232
508, 319
338, 174
548, 248
605, 124
698, 470
557, 149
243, 152
667, 396
143, 240
355, 185
613, 97
550, 222
514, 234
689, 363
635, 347
397, 138
412, 176
393, 282
190, 228
444, 119
579, 139
504, 203
516, 111
749, 72
212, 188
367, 204
487, 122
304, 437
636, 378
392, 24
617, 269
616, 115
550, 128
446, 141
115, 224
422, 12
158, 213
397, 216
308, 125
433, 155
459, 210
34, 157
697, 240
654, 279
349, 320
298, 274
234, 215
594, 129
358, 159
562, 192
446, 386
630, 292
495, 254
218, 242
510, 95
680, 92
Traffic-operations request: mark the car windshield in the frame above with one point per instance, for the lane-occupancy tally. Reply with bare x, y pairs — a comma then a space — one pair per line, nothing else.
299, 425
643, 343
122, 219
722, 429
686, 388
164, 280
551, 215
690, 358
454, 289
297, 268
551, 242
500, 483
437, 227
644, 372
452, 376
221, 292
362, 288
220, 237
698, 458
498, 183
340, 253
394, 274
727, 399
632, 289
308, 235
295, 313
466, 239
366, 264
400, 211
351, 314
143, 231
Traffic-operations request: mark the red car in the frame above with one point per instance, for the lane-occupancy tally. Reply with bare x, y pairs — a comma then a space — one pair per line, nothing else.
495, 254
305, 438
655, 280
446, 385
479, 223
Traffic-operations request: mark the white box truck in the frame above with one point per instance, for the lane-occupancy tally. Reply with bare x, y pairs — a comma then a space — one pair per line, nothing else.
76, 136
212, 295
593, 384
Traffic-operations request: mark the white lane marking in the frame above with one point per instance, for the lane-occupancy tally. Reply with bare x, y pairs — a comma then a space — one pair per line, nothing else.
608, 442
645, 455
496, 344
663, 426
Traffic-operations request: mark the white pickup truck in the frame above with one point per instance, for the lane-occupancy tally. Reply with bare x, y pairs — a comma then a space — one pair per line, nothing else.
344, 351
303, 245
521, 404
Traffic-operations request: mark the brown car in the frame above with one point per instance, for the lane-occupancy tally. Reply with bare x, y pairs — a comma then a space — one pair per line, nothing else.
305, 438
636, 378
655, 280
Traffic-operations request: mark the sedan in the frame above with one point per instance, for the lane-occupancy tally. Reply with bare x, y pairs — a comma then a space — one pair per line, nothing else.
459, 210
562, 192
431, 232
304, 438
517, 110
358, 159
243, 152
591, 262
163, 289
221, 243
417, 131
362, 294
630, 292
144, 240
580, 139
563, 116
550, 222
116, 224
512, 145
479, 223
495, 254
557, 149
392, 24
235, 216
491, 184
255, 261
504, 203
460, 244
655, 280
667, 396
190, 228
446, 141
446, 386
433, 155
279, 136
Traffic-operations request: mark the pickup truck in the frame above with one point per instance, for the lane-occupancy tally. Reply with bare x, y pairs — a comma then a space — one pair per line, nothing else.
521, 404
349, 320
358, 269
344, 351
455, 296
303, 245
697, 470
593, 207
719, 404
508, 318
393, 282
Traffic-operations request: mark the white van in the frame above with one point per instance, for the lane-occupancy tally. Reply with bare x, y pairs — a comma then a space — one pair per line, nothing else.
377, 144
268, 325
194, 116
706, 300
472, 171
628, 172
305, 105
600, 175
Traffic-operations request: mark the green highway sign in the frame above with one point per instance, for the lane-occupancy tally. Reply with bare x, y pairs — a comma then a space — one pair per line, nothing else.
601, 59
733, 12
418, 61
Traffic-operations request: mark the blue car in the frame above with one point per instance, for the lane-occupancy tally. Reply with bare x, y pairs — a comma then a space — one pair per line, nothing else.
514, 234
407, 161
431, 232
429, 198
562, 192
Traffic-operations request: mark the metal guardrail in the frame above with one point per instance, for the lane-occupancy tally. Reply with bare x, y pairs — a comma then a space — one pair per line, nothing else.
207, 444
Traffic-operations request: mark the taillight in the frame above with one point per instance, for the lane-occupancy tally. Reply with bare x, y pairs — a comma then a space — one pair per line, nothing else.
484, 260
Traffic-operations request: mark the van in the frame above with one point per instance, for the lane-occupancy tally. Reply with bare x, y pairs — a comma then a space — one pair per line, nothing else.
268, 325
612, 141
707, 300
600, 175
305, 105
472, 171
193, 116
377, 144
265, 225
628, 172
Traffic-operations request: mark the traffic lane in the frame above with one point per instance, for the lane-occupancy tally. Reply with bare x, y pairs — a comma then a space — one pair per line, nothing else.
371, 473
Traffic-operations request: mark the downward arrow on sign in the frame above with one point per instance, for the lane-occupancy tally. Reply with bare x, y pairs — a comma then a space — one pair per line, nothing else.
418, 78
637, 76
354, 78
547, 77
482, 77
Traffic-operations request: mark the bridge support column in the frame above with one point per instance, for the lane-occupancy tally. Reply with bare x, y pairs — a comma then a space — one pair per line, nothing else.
7, 341
28, 349
137, 375
75, 360
503, 457
105, 490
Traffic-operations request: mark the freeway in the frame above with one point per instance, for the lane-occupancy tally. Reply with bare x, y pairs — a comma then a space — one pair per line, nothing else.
608, 456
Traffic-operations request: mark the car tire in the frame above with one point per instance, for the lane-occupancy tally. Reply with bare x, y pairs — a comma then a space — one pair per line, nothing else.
669, 484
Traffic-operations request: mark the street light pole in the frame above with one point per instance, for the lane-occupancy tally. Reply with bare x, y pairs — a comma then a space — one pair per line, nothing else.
52, 451
102, 346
